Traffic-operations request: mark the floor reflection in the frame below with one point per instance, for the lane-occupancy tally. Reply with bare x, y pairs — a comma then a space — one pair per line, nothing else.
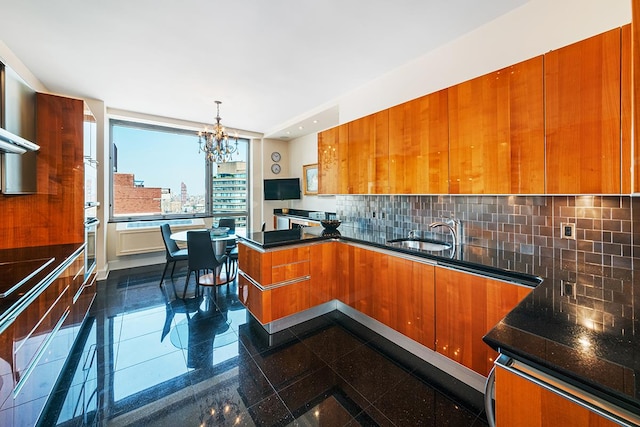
150, 358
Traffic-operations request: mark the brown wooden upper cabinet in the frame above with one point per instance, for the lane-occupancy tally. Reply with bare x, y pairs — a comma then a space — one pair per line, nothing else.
496, 132
554, 124
419, 146
333, 150
368, 159
583, 115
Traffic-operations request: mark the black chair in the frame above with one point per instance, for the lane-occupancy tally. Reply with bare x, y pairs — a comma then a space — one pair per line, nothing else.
174, 253
202, 259
231, 268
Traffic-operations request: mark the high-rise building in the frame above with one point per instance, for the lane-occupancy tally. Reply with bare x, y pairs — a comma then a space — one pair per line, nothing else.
230, 190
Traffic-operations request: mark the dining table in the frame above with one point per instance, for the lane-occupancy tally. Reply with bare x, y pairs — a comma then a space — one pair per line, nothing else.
219, 241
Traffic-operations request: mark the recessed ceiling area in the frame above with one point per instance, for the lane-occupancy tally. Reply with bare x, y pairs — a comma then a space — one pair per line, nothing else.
274, 65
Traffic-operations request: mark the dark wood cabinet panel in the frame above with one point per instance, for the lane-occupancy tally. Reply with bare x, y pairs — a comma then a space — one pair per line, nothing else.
36, 344
496, 137
419, 146
54, 215
583, 116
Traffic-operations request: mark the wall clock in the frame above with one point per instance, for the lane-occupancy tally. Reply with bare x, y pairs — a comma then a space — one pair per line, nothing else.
275, 168
275, 156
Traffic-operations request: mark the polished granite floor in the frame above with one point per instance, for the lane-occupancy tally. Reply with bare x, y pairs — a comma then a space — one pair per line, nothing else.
149, 358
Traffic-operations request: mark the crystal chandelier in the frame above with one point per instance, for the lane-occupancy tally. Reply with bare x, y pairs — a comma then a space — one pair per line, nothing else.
215, 142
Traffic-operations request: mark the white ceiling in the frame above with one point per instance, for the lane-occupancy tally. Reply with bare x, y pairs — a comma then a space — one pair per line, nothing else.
276, 65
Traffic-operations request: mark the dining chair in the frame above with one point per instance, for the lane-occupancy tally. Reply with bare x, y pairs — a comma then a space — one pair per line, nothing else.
231, 267
173, 252
202, 259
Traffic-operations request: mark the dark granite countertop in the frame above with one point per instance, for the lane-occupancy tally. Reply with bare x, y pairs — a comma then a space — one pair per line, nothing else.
579, 324
22, 270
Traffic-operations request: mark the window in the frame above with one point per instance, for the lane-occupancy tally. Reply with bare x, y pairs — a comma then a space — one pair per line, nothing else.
159, 172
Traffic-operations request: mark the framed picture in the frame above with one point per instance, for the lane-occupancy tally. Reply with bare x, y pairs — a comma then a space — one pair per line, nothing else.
310, 179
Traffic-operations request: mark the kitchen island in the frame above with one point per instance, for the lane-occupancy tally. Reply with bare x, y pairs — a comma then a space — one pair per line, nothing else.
584, 341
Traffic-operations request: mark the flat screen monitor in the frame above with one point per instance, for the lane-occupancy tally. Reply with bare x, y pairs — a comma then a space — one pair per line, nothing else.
282, 189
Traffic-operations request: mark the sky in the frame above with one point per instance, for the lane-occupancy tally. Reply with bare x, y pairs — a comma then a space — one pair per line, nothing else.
163, 159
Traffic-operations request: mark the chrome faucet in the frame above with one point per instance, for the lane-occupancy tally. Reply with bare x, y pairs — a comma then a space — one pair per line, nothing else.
455, 228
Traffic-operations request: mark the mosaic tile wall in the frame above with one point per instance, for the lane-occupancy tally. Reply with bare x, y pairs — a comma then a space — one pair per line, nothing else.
524, 224
599, 264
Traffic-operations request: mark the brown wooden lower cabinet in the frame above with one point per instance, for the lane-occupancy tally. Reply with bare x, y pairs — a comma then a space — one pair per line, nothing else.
36, 344
415, 300
274, 284
522, 403
446, 310
274, 303
324, 271
395, 291
467, 306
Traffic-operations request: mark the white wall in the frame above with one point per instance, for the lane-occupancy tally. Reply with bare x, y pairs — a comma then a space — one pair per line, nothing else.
530, 30
266, 207
304, 151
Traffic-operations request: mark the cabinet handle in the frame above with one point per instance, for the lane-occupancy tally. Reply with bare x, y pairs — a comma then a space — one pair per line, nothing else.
489, 389
41, 352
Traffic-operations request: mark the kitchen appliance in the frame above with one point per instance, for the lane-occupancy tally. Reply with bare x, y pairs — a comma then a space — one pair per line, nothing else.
17, 130
90, 233
91, 204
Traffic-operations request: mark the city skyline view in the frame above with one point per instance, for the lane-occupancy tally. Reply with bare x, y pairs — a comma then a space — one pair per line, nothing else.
164, 159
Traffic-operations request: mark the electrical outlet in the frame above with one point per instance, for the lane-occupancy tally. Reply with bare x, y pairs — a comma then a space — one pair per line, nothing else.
568, 230
568, 289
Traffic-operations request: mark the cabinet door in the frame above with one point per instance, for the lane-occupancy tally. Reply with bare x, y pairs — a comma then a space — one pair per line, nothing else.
289, 299
419, 146
468, 306
368, 167
345, 290
582, 90
333, 160
626, 90
60, 181
364, 271
522, 403
413, 285
497, 132
323, 259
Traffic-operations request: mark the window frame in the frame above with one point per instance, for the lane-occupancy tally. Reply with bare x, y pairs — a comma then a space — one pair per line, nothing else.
208, 176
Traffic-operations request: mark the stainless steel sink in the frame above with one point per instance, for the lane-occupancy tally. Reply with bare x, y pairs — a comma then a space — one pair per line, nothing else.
421, 244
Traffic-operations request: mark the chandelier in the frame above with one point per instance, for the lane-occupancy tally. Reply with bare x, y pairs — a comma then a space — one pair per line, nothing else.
215, 142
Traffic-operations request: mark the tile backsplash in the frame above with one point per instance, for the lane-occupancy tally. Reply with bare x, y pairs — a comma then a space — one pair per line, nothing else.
600, 265
525, 224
